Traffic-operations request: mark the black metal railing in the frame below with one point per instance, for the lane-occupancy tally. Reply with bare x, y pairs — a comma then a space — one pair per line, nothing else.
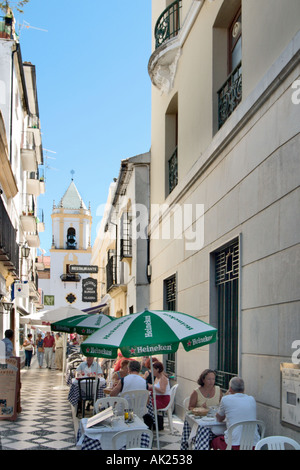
9, 249
168, 23
70, 277
111, 272
173, 171
230, 95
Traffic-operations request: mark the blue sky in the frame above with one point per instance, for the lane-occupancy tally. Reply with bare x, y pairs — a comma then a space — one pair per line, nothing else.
94, 92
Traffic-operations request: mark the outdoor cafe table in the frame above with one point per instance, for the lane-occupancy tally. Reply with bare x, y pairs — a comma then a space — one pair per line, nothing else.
73, 395
99, 437
200, 430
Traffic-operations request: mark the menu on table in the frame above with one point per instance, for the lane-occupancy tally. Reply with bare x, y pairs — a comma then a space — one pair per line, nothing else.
99, 417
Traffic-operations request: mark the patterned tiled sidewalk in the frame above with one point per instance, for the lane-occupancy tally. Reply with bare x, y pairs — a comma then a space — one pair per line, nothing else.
46, 421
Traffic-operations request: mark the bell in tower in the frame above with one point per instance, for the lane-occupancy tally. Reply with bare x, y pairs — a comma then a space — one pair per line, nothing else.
71, 239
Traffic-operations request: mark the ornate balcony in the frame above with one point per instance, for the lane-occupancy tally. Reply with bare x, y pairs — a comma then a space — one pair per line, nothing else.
170, 33
230, 95
168, 24
28, 151
9, 249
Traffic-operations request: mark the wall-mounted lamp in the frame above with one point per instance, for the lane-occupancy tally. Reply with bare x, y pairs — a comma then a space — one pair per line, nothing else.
7, 306
25, 250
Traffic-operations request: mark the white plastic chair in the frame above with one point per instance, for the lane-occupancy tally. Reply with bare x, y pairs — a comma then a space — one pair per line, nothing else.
277, 443
137, 401
118, 402
247, 435
186, 402
169, 408
132, 439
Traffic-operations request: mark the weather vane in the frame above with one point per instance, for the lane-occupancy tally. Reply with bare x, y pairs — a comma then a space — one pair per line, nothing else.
72, 173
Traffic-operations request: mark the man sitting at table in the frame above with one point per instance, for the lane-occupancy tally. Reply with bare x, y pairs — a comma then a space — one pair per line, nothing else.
89, 367
132, 381
235, 407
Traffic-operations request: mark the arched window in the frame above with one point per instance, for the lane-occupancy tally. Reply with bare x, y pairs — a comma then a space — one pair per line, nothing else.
71, 239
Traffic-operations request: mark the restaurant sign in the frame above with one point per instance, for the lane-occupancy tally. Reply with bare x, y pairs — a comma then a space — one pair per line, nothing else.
89, 290
79, 268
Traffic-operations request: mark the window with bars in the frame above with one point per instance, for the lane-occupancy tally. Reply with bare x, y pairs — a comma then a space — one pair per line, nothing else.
126, 235
227, 284
170, 304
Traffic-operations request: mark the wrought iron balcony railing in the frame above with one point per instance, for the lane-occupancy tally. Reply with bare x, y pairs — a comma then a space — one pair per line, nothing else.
70, 277
173, 171
111, 273
230, 95
168, 24
9, 249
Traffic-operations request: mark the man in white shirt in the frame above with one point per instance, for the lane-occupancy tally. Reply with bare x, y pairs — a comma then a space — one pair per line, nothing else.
235, 407
89, 367
132, 381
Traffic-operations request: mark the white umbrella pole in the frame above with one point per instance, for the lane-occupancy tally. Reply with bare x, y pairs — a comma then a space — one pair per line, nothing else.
154, 403
63, 386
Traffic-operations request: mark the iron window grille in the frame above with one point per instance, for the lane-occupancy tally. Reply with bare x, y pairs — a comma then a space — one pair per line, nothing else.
126, 236
227, 284
173, 171
170, 304
111, 269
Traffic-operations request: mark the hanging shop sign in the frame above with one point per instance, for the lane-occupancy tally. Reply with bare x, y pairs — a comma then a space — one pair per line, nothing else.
89, 290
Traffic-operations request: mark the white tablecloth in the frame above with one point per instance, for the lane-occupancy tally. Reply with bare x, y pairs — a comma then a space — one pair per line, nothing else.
100, 436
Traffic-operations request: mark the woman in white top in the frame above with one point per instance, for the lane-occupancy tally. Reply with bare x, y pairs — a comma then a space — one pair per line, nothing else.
162, 386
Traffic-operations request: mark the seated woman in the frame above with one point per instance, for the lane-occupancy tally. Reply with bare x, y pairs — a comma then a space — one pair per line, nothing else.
207, 394
147, 375
121, 373
162, 386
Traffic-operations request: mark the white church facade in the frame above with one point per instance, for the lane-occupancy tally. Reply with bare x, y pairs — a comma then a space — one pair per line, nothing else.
70, 254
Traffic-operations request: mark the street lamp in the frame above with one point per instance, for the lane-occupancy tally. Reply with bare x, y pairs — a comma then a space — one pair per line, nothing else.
25, 250
7, 306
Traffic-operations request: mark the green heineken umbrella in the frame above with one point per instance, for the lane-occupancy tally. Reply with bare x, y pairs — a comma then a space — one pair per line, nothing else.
82, 324
149, 333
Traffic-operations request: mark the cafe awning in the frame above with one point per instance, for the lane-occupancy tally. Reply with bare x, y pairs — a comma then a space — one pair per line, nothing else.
97, 308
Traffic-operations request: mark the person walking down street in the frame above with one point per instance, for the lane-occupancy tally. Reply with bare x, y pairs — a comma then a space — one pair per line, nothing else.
8, 343
28, 347
59, 351
40, 350
49, 346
